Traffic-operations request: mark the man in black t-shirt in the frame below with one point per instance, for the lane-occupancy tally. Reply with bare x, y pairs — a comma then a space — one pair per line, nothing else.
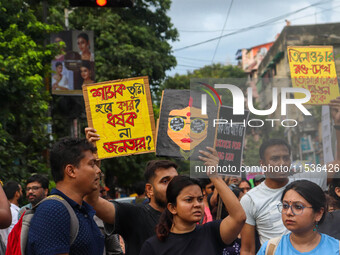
136, 223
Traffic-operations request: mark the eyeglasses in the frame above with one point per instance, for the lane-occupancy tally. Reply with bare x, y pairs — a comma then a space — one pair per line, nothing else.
196, 125
33, 188
297, 208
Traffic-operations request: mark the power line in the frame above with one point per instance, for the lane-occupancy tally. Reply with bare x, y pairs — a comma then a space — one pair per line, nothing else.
190, 66
308, 15
202, 60
225, 22
261, 24
184, 69
325, 9
235, 29
194, 59
205, 31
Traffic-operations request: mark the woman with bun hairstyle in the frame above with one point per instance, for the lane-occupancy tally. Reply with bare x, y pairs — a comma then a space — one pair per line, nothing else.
178, 232
303, 206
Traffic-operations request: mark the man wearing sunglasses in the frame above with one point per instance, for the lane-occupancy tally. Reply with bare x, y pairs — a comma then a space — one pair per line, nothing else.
36, 190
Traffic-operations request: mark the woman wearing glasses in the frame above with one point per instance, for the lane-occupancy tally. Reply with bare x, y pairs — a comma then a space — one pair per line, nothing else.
303, 207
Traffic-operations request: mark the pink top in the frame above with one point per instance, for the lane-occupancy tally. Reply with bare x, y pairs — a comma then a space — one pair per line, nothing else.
207, 215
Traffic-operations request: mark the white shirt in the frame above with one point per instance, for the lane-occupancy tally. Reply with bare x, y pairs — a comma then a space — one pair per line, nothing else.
5, 232
260, 205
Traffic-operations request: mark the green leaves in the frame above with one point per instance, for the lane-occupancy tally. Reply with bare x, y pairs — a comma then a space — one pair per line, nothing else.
24, 101
129, 42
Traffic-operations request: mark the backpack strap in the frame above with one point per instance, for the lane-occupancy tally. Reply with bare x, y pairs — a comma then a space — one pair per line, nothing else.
27, 217
272, 245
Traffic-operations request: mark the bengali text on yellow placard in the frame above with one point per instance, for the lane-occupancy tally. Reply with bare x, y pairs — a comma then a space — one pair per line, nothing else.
121, 112
313, 68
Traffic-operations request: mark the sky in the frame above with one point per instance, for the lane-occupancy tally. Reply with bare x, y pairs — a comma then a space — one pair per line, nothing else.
201, 20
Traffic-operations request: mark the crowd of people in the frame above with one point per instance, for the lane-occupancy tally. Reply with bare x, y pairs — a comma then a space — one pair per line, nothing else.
281, 214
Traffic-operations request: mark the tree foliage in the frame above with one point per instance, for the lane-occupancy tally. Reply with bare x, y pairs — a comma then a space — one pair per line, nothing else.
24, 62
129, 42
214, 71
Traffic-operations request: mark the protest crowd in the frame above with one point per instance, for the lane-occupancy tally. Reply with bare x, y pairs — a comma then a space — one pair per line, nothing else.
275, 213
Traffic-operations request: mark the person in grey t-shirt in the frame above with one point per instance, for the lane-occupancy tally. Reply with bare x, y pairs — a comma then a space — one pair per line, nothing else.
260, 203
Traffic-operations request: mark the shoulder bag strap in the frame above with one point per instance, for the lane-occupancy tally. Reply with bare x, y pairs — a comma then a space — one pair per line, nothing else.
272, 245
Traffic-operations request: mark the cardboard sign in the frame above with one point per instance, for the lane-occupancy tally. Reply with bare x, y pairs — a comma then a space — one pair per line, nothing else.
313, 68
230, 140
182, 129
121, 112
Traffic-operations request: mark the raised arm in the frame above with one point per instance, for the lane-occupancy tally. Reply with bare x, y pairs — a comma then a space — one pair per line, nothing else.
5, 212
230, 226
91, 134
105, 210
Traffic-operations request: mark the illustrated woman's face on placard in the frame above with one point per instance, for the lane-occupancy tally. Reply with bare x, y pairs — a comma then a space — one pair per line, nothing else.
187, 127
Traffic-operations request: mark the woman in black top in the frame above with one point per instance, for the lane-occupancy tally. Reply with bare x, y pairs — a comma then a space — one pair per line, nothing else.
178, 232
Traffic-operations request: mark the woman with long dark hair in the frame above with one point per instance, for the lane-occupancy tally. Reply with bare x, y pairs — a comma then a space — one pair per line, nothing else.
178, 232
303, 206
86, 72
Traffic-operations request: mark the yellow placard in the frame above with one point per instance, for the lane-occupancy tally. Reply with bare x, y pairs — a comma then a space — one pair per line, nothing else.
121, 112
313, 68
